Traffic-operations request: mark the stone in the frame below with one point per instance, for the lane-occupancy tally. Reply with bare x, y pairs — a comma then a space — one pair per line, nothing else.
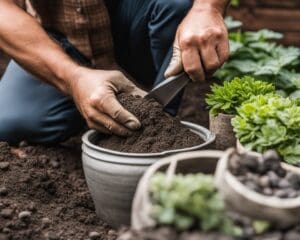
94, 235
283, 183
25, 216
264, 181
293, 179
46, 222
274, 179
6, 213
3, 191
4, 165
52, 236
54, 164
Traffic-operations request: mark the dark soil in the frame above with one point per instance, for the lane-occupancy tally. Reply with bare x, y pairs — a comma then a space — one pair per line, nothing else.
266, 175
43, 195
160, 132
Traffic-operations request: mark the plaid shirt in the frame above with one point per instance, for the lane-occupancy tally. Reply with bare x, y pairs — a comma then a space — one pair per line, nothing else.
85, 23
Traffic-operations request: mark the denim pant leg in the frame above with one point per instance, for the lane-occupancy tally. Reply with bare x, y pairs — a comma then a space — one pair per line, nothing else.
34, 111
143, 33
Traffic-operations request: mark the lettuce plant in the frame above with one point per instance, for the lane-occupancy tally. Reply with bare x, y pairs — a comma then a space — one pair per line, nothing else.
189, 202
270, 122
227, 97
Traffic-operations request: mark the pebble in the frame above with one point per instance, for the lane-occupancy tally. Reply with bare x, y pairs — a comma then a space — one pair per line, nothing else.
294, 180
51, 236
3, 191
6, 213
250, 162
25, 216
283, 183
251, 185
264, 182
23, 144
46, 221
6, 230
268, 191
274, 179
4, 165
280, 193
271, 160
54, 164
32, 206
94, 235
44, 159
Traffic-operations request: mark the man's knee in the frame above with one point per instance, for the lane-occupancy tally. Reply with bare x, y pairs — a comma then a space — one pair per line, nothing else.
178, 7
35, 129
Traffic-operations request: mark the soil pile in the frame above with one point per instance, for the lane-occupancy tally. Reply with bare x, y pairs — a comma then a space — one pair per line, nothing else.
43, 195
160, 132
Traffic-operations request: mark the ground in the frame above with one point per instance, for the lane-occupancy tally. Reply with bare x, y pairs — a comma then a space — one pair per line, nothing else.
43, 194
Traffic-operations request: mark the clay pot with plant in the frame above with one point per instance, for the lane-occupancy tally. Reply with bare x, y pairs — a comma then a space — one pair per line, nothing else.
223, 102
270, 122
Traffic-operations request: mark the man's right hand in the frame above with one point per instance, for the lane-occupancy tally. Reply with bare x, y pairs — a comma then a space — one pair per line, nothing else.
94, 92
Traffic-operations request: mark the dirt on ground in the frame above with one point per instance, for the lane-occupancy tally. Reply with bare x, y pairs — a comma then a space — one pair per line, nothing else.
43, 195
159, 132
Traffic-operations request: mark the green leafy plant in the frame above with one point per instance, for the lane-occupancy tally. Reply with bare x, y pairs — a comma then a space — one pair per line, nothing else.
270, 122
227, 97
190, 201
235, 3
254, 54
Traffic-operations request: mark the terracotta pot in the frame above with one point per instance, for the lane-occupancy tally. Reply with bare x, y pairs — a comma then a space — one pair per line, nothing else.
239, 198
221, 126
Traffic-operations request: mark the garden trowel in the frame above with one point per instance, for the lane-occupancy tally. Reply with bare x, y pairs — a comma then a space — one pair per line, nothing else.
168, 89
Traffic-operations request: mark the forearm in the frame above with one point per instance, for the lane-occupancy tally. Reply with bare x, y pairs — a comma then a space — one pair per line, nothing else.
220, 5
24, 40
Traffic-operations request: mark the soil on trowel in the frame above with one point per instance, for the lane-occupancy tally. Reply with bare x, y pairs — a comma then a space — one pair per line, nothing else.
43, 196
159, 132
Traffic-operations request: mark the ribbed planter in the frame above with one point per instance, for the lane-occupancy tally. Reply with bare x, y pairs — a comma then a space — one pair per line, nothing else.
112, 176
221, 126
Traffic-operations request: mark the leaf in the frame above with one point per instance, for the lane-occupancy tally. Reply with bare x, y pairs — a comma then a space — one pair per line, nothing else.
270, 122
227, 97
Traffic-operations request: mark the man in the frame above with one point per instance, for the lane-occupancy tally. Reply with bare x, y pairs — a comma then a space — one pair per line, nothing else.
65, 59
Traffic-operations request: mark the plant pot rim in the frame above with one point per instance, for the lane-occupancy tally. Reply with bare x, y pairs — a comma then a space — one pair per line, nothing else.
203, 132
223, 115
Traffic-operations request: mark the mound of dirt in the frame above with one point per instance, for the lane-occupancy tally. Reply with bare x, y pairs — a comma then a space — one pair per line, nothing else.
43, 196
160, 132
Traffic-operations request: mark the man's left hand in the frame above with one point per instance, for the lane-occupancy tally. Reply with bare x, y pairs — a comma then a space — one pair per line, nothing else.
201, 44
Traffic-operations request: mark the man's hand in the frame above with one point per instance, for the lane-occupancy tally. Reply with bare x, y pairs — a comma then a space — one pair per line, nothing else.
94, 92
201, 44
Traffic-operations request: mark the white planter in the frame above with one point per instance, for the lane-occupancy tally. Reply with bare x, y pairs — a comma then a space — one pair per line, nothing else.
112, 176
239, 198
204, 161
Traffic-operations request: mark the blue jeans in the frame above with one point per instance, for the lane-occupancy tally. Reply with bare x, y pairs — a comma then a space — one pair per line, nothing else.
143, 33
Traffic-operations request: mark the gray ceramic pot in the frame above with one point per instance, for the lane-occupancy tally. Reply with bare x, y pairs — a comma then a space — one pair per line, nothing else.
112, 176
221, 126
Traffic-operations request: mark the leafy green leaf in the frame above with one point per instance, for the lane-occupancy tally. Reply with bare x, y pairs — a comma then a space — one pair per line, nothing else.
227, 97
270, 122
